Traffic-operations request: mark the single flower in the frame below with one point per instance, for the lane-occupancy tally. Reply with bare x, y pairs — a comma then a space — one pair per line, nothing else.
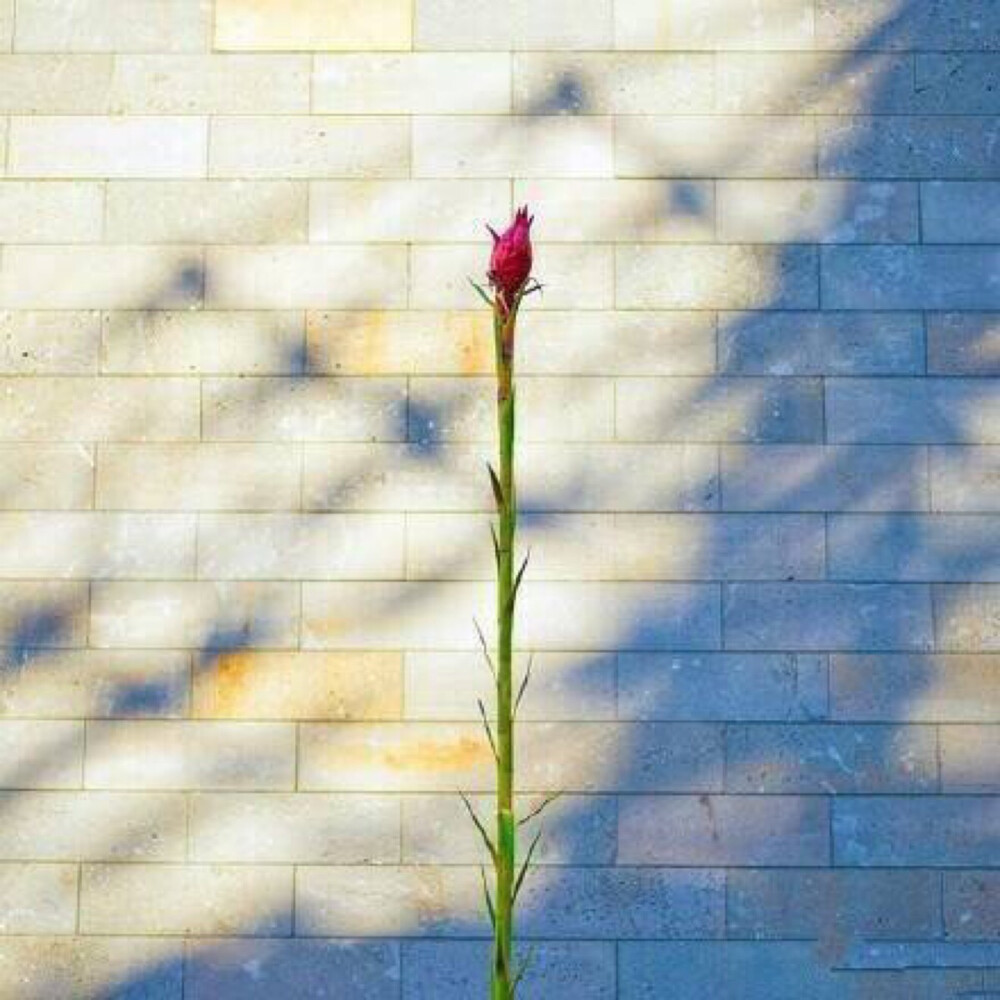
510, 263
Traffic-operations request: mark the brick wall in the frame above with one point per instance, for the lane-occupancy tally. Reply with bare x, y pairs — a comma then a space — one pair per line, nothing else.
244, 407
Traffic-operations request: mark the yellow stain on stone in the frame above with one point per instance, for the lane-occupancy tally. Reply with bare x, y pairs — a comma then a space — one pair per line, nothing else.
313, 25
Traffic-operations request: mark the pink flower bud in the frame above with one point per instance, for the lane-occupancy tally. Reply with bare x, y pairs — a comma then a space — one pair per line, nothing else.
510, 263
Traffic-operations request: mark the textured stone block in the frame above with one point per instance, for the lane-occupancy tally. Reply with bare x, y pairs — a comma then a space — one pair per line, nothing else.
185, 899
41, 754
40, 613
912, 411
716, 277
416, 83
159, 755
59, 477
523, 146
971, 905
963, 344
939, 688
318, 25
290, 409
812, 759
824, 477
49, 343
84, 683
959, 83
92, 826
928, 277
723, 830
817, 212
309, 146
513, 24
960, 212
93, 146
894, 832
37, 899
198, 477
52, 84
36, 212
107, 26
821, 344
966, 480
206, 212
294, 829
295, 685
212, 617
399, 212
718, 410
832, 905
967, 617
969, 757
262, 969
824, 616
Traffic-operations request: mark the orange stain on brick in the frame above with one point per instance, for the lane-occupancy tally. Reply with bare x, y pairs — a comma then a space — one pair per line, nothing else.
224, 688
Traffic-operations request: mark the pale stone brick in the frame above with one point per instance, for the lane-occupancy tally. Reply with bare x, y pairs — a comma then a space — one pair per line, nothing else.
43, 613
93, 146
706, 687
716, 277
963, 344
49, 343
957, 83
37, 899
912, 547
817, 212
206, 212
716, 24
780, 410
554, 616
96, 545
267, 25
86, 683
198, 477
299, 546
966, 480
513, 24
822, 616
48, 84
935, 688
794, 83
404, 211
295, 829
631, 211
907, 146
821, 343
832, 905
309, 146
185, 899
202, 343
6, 24
289, 409
904, 832
36, 212
101, 277
295, 685
447, 685
92, 826
211, 85
261, 969
306, 277
704, 146
835, 759
912, 411
824, 477
522, 146
555, 409
415, 83
576, 276
168, 755
969, 757
211, 616
967, 617
61, 409
723, 830
65, 966
41, 754
604, 83
57, 477
970, 905
109, 26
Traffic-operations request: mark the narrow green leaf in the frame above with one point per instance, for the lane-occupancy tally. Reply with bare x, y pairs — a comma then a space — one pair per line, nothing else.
526, 964
482, 292
524, 683
527, 861
489, 899
479, 826
497, 488
487, 727
486, 650
538, 810
496, 544
517, 582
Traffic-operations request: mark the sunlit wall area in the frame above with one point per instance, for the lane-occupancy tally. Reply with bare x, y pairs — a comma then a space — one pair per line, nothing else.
245, 410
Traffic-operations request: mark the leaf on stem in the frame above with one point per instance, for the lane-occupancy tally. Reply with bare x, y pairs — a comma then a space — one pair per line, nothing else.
486, 650
479, 826
524, 683
524, 867
496, 545
482, 292
488, 728
497, 488
538, 810
489, 899
517, 581
526, 964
